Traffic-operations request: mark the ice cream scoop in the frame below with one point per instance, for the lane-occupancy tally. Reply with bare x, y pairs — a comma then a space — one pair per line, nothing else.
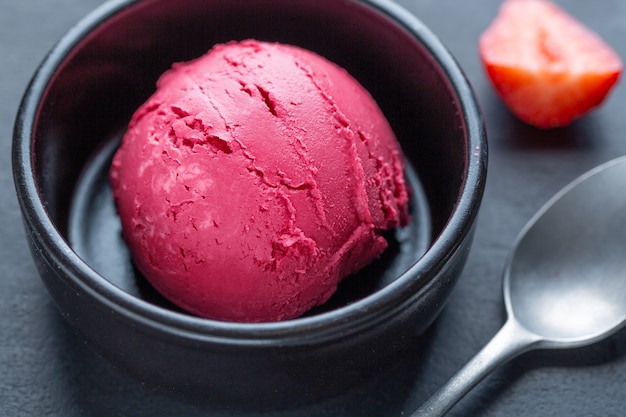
255, 179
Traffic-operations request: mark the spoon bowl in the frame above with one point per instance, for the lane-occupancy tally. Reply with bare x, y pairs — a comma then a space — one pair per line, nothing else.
564, 283
566, 279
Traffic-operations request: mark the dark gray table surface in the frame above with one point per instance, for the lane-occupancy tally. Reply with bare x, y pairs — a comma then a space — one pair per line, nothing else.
46, 370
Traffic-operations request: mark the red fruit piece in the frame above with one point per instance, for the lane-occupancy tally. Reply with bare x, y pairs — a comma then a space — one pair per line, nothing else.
547, 67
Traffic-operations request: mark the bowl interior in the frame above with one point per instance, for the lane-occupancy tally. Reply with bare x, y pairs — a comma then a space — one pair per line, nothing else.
95, 89
94, 233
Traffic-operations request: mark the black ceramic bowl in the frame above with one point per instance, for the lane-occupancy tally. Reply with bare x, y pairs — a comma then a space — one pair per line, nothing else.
70, 121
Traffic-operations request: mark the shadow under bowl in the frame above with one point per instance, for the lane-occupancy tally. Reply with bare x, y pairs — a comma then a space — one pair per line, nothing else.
78, 105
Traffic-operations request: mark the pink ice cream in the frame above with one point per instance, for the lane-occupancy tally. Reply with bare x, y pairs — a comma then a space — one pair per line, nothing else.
254, 180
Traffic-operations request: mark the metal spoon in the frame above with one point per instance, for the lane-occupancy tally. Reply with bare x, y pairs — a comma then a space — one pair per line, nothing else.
565, 282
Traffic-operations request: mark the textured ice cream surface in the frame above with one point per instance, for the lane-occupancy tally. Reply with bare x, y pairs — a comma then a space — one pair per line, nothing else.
254, 179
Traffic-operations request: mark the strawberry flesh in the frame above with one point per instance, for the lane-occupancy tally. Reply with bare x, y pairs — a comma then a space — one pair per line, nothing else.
547, 67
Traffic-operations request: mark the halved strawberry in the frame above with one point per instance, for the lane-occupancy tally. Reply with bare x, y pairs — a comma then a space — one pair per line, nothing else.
546, 66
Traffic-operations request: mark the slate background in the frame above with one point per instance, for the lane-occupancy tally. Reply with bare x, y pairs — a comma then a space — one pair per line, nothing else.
46, 371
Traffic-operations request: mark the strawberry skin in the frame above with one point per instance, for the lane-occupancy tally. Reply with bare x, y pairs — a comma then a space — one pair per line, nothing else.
547, 67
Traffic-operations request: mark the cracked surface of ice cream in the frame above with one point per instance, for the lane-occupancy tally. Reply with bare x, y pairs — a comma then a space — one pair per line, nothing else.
255, 179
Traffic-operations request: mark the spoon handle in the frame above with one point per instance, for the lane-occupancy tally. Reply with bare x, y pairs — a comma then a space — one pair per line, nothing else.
510, 341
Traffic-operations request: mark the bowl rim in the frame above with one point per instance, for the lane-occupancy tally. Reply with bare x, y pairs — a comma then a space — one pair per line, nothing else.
333, 324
